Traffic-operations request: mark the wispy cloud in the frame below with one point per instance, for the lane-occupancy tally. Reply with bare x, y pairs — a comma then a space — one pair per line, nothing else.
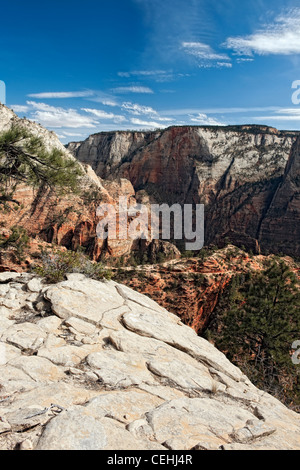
107, 102
189, 111
282, 114
96, 96
142, 73
61, 94
203, 51
203, 119
138, 109
241, 60
280, 37
205, 55
295, 117
57, 117
227, 65
289, 111
19, 108
104, 115
133, 89
103, 98
72, 134
147, 124
160, 119
159, 76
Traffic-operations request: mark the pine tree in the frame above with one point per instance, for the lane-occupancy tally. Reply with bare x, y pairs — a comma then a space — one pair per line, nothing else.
256, 322
24, 159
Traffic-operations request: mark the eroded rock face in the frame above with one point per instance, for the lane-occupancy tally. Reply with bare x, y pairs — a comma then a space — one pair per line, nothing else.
108, 368
70, 221
246, 176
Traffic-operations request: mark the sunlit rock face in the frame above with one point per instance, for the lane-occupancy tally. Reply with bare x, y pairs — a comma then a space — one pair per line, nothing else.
89, 365
69, 221
244, 175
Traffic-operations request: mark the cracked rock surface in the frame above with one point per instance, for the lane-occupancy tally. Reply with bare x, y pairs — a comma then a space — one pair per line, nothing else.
95, 365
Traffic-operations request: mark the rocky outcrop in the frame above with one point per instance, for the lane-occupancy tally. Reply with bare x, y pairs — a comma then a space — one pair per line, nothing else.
236, 172
8, 119
106, 151
89, 365
69, 221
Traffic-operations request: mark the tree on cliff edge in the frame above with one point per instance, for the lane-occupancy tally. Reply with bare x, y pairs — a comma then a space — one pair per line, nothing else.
255, 323
24, 159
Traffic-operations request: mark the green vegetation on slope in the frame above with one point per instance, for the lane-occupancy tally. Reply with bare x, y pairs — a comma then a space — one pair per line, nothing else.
255, 323
55, 264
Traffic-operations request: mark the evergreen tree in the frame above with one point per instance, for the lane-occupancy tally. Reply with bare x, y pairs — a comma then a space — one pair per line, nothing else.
24, 159
255, 324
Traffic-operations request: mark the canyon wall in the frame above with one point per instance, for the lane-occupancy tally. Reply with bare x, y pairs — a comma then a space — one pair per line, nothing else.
69, 221
246, 176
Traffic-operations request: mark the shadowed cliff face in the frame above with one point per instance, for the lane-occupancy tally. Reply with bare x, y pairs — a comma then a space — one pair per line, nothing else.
282, 220
247, 177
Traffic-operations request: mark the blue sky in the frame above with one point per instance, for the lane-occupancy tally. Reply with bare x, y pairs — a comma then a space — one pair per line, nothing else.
83, 67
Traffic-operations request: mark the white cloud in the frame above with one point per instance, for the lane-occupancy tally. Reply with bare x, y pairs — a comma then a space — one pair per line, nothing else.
280, 37
203, 119
56, 117
61, 136
159, 76
108, 102
72, 134
19, 108
103, 115
224, 64
138, 109
61, 94
142, 73
295, 117
205, 55
283, 114
105, 100
289, 111
184, 111
146, 124
133, 89
124, 74
160, 119
241, 60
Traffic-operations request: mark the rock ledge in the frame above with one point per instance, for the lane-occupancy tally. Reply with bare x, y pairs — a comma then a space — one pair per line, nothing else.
94, 365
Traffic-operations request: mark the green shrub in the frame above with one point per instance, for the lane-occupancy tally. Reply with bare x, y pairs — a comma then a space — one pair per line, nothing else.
56, 264
18, 241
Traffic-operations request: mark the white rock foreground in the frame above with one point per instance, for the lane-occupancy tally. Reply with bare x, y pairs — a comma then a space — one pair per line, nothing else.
88, 365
